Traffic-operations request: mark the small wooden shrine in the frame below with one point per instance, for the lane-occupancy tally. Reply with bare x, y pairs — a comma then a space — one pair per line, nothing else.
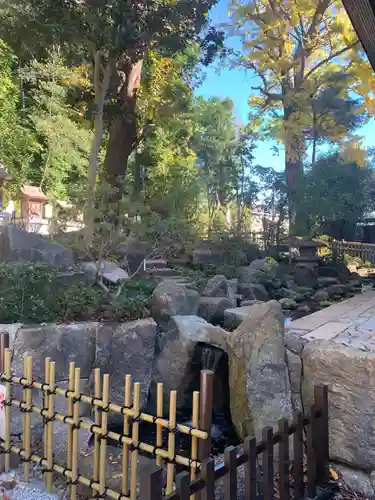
32, 201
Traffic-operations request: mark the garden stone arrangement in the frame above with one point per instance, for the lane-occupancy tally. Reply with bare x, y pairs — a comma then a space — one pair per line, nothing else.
234, 326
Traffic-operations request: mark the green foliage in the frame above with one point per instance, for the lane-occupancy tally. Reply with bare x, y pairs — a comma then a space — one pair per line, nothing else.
37, 293
34, 293
335, 196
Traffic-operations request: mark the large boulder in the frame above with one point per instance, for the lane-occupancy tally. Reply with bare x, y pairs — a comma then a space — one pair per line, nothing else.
172, 299
321, 296
253, 291
217, 286
247, 274
338, 270
234, 316
17, 245
117, 349
106, 270
288, 304
350, 375
180, 356
260, 392
212, 309
127, 349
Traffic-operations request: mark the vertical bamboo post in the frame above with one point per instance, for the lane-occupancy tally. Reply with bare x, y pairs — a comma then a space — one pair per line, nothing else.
77, 392
194, 439
103, 438
8, 408
26, 441
135, 440
205, 406
125, 446
97, 395
47, 363
49, 456
171, 440
72, 367
159, 428
4, 344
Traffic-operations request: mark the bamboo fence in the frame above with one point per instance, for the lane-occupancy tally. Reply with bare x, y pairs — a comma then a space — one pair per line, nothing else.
130, 410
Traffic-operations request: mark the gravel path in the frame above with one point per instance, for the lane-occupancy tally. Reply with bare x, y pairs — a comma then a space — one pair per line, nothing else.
12, 487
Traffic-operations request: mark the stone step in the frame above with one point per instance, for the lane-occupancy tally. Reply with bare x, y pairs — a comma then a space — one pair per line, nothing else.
165, 271
156, 264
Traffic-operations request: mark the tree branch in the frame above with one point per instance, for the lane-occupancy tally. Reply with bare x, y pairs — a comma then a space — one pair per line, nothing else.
329, 58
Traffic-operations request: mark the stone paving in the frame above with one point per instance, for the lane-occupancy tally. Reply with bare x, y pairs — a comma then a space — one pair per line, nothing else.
350, 322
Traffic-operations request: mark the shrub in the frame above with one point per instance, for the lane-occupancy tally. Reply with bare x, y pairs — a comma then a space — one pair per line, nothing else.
36, 293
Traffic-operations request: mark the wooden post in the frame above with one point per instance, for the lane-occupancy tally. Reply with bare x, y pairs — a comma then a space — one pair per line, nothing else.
250, 448
230, 478
205, 411
268, 463
151, 483
284, 460
311, 457
298, 456
322, 435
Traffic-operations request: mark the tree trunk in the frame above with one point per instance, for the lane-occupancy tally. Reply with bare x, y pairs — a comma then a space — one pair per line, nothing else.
315, 137
294, 149
123, 132
101, 89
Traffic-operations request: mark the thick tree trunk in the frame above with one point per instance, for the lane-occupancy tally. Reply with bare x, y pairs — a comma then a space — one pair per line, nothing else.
101, 89
294, 149
123, 132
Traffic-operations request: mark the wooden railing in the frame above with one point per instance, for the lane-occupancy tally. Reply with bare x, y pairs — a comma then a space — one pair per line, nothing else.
365, 251
304, 459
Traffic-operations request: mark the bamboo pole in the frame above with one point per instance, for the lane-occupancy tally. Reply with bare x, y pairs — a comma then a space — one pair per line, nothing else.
77, 391
72, 367
194, 440
8, 408
49, 456
47, 363
103, 440
135, 441
26, 438
171, 441
159, 428
97, 393
125, 446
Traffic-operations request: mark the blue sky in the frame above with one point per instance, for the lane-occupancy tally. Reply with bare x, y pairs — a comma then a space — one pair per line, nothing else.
236, 84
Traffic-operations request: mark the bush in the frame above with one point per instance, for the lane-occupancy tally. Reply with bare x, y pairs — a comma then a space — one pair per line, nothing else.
36, 293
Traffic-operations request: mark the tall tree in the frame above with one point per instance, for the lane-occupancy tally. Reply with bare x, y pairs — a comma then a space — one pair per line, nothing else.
292, 47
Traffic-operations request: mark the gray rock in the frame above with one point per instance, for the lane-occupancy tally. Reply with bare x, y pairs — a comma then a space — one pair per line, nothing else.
17, 245
321, 296
289, 294
212, 309
172, 299
304, 309
260, 392
207, 256
295, 373
233, 285
62, 343
288, 304
253, 291
334, 290
266, 265
250, 302
305, 276
217, 286
291, 285
107, 270
357, 480
325, 281
294, 342
350, 375
247, 274
127, 349
233, 317
173, 366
